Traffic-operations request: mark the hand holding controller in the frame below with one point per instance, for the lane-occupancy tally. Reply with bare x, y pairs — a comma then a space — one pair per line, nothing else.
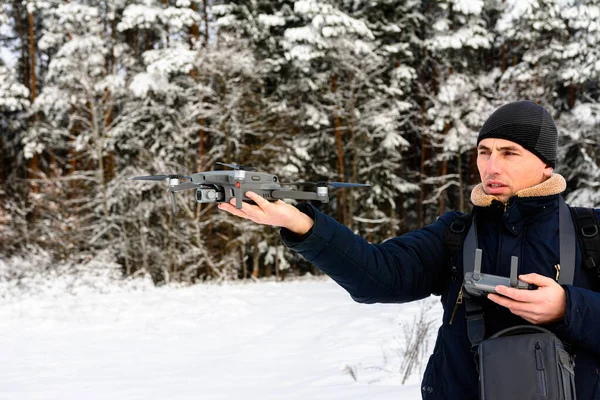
478, 284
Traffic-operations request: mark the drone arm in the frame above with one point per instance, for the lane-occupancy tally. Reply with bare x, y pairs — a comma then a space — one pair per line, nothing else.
298, 195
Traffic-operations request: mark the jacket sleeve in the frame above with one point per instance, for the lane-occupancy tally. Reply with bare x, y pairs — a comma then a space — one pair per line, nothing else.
401, 269
581, 323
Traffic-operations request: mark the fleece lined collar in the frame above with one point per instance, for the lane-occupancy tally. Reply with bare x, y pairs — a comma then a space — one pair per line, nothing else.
556, 184
526, 207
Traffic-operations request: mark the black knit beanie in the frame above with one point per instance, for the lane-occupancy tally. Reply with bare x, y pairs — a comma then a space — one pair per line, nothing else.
526, 123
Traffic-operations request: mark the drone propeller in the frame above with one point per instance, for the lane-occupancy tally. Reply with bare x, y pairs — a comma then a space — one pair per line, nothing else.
330, 184
174, 185
184, 186
158, 177
237, 167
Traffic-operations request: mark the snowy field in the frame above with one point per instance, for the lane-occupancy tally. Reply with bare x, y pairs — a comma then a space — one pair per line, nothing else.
296, 340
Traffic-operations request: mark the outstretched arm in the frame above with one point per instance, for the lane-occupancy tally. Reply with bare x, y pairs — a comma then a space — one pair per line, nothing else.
401, 269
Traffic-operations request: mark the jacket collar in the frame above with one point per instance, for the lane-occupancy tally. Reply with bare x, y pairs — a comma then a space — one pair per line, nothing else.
525, 206
556, 184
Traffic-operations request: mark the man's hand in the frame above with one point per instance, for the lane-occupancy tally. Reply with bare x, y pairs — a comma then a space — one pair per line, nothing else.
278, 213
544, 305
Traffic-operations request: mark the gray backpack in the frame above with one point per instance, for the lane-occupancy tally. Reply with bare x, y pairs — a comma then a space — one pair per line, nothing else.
525, 362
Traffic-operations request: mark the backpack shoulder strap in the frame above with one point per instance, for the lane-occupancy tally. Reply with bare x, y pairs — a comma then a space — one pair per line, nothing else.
586, 226
567, 245
453, 241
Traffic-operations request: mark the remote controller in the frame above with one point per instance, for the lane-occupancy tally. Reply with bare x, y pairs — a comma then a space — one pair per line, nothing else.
478, 284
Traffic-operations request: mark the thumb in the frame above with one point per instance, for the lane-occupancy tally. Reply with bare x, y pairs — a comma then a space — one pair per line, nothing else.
537, 279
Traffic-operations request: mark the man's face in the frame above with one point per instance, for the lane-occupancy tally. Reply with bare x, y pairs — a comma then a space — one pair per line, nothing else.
506, 167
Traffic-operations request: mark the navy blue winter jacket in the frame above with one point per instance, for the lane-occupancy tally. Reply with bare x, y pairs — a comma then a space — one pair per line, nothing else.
414, 266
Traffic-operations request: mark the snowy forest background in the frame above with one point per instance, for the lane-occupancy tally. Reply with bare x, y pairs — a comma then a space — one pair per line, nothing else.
387, 92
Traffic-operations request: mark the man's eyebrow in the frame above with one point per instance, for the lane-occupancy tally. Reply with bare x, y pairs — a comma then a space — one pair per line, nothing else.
508, 148
505, 148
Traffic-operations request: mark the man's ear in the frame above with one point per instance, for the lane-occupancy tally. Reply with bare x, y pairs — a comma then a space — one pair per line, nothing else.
548, 170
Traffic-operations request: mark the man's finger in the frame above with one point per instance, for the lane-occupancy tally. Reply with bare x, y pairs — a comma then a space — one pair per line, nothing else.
258, 199
512, 305
232, 210
538, 280
516, 294
233, 203
252, 210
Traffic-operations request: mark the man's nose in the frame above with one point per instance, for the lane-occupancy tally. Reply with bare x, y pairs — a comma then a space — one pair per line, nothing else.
494, 165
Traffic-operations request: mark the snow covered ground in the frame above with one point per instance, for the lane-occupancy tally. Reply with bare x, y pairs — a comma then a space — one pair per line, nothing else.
295, 340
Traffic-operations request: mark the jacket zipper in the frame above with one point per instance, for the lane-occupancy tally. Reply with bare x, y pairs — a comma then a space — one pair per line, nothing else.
459, 300
557, 267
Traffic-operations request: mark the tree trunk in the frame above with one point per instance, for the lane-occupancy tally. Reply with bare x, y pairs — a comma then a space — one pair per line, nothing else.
34, 166
255, 259
109, 159
341, 200
475, 179
32, 56
536, 69
355, 159
392, 226
205, 15
126, 247
461, 190
2, 174
442, 199
202, 145
166, 3
277, 259
24, 45
402, 216
244, 268
571, 95
98, 134
202, 149
421, 181
442, 203
423, 149
72, 153
195, 29
108, 109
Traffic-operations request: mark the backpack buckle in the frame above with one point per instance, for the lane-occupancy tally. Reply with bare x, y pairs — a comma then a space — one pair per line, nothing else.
459, 227
589, 231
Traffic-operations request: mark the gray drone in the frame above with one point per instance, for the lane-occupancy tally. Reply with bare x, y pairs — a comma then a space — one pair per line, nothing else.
222, 186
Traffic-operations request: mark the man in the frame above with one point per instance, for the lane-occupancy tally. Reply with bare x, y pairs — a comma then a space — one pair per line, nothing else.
517, 214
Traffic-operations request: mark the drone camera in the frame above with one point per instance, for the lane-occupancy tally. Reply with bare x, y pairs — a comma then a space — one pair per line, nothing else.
206, 195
